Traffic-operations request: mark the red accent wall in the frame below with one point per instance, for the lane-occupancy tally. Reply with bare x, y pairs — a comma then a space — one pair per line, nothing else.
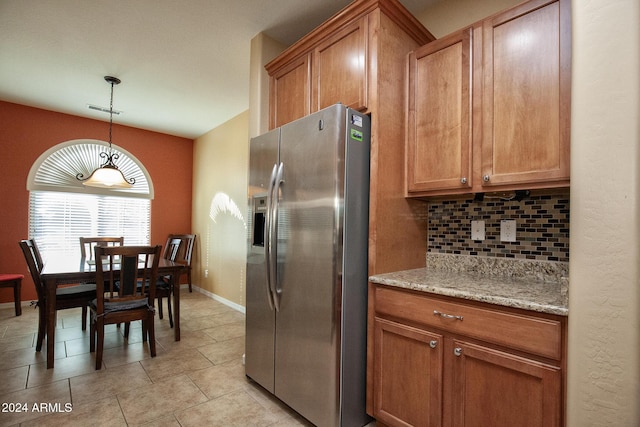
26, 132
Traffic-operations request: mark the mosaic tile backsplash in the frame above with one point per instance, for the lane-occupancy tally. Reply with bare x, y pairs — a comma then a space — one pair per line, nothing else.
542, 223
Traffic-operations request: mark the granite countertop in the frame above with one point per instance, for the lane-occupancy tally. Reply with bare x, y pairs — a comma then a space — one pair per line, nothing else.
530, 285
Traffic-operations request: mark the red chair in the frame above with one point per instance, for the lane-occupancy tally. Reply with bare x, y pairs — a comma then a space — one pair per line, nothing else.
13, 281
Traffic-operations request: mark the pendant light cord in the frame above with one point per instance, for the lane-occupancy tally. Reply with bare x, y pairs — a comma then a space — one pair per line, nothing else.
111, 117
112, 81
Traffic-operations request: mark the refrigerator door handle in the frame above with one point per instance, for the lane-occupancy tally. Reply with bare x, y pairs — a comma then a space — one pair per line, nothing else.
273, 239
267, 246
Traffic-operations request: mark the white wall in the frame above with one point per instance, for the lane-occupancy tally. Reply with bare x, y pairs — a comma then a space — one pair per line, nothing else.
263, 50
604, 303
220, 164
444, 17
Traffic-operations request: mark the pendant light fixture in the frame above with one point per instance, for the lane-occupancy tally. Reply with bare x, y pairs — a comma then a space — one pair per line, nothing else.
108, 175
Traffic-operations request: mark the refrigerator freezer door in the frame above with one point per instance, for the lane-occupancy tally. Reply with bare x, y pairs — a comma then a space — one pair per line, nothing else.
354, 271
309, 251
260, 317
305, 338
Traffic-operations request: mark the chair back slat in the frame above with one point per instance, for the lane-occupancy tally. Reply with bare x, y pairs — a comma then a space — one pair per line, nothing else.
87, 244
128, 276
172, 248
185, 250
34, 263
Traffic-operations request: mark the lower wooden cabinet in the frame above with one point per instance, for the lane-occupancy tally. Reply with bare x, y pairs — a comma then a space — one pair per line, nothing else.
495, 388
408, 375
426, 372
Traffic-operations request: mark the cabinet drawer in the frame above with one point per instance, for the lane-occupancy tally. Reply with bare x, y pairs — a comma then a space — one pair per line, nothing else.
535, 335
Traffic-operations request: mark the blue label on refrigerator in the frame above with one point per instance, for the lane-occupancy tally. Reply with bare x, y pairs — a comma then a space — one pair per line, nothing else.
356, 135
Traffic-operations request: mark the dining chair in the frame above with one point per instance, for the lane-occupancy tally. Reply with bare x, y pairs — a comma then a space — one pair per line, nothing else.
163, 285
185, 253
88, 243
13, 281
66, 297
125, 291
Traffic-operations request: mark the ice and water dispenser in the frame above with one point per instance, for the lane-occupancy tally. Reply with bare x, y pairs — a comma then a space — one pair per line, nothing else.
259, 217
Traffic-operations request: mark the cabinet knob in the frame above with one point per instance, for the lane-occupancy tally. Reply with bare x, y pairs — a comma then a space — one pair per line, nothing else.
433, 343
486, 178
457, 351
463, 180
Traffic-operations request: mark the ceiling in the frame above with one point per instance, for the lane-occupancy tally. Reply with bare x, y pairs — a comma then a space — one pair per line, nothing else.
184, 65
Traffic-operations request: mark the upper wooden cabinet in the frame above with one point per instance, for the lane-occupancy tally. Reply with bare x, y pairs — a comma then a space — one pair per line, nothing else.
439, 115
526, 94
337, 62
513, 70
339, 71
292, 78
332, 70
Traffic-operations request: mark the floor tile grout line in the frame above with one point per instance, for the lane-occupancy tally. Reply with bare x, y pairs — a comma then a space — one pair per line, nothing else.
200, 308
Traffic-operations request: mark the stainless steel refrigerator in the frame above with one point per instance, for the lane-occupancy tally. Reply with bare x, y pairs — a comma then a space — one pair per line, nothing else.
306, 310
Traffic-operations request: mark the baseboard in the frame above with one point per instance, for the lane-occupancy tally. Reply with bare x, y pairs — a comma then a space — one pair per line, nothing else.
12, 306
235, 306
218, 298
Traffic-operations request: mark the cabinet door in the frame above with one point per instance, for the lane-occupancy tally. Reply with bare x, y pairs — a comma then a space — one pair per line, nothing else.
526, 94
340, 68
407, 375
289, 92
493, 388
439, 115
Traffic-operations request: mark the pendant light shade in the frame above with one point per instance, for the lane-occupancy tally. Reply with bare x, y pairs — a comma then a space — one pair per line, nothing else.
108, 175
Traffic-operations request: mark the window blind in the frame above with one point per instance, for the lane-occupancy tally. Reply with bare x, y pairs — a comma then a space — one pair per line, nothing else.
57, 220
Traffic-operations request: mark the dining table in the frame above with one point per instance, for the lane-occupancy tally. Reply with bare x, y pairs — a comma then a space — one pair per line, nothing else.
67, 270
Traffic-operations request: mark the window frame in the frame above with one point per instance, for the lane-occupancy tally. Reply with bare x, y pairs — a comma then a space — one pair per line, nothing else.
76, 210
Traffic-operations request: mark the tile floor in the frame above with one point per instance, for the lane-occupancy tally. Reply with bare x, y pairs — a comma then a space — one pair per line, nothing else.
197, 381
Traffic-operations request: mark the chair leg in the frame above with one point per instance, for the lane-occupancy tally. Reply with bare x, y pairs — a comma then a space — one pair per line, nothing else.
189, 279
99, 343
92, 336
126, 329
160, 307
17, 295
42, 325
84, 318
170, 310
152, 335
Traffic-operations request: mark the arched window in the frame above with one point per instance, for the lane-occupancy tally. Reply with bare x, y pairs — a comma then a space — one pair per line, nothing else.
61, 209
